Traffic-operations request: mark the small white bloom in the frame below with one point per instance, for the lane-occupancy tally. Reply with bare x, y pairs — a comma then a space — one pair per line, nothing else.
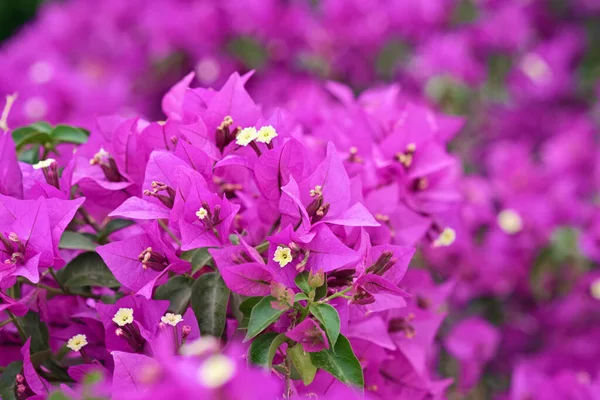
536, 68
266, 134
77, 342
36, 107
123, 317
201, 213
41, 72
200, 346
171, 319
595, 289
283, 256
216, 371
44, 163
208, 70
99, 156
246, 135
446, 238
510, 221
317, 191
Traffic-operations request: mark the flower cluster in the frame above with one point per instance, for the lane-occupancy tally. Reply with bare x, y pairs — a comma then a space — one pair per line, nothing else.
285, 229
223, 222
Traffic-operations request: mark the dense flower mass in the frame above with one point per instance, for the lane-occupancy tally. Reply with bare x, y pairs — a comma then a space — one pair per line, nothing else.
389, 199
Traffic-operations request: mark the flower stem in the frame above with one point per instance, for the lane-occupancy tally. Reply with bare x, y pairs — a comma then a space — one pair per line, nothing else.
16, 323
288, 380
89, 219
62, 287
56, 291
262, 247
164, 226
10, 99
337, 294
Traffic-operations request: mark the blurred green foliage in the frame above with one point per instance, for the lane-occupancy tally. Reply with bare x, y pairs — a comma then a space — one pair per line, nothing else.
14, 13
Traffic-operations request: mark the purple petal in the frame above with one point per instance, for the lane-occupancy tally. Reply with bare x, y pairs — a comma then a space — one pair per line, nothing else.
35, 382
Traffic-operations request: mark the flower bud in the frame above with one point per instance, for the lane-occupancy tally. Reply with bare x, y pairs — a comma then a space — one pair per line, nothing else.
316, 280
185, 331
284, 296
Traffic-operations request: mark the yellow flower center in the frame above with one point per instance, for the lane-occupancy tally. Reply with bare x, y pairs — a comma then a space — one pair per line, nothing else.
283, 256
77, 342
123, 317
266, 134
446, 238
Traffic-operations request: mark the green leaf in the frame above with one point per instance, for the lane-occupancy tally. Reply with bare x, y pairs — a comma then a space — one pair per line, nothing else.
34, 133
261, 317
36, 330
249, 51
42, 126
87, 269
178, 290
69, 134
113, 226
58, 395
7, 380
300, 296
246, 309
301, 281
329, 318
33, 137
30, 156
210, 296
234, 239
341, 363
321, 291
278, 341
199, 258
39, 357
76, 241
258, 354
93, 378
301, 361
248, 304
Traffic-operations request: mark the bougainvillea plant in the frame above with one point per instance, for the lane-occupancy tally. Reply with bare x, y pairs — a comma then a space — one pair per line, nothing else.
223, 253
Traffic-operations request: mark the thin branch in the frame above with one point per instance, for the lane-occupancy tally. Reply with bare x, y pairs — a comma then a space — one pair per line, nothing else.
10, 99
89, 219
169, 232
15, 321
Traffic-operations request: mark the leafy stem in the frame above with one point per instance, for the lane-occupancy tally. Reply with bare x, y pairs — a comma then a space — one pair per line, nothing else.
262, 247
89, 219
16, 323
288, 379
341, 293
62, 287
164, 226
56, 291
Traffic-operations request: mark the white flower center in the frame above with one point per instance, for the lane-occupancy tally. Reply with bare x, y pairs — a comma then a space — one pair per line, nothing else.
446, 238
201, 213
246, 136
171, 319
77, 342
123, 317
216, 371
595, 289
266, 134
44, 163
283, 256
510, 221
